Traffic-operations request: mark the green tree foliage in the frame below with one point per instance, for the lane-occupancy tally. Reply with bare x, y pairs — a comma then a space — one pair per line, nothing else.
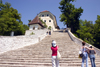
29, 20
49, 27
90, 32
70, 15
85, 31
10, 20
44, 24
25, 27
97, 32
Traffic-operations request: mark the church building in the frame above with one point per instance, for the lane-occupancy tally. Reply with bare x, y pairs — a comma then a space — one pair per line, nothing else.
46, 17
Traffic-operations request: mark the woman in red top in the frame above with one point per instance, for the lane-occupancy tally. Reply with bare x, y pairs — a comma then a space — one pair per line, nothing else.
54, 48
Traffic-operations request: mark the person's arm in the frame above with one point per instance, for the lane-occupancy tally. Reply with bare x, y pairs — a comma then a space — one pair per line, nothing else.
51, 48
81, 49
94, 51
88, 49
57, 47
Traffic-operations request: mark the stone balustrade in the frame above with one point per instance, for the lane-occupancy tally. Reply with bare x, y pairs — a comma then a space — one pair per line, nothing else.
79, 41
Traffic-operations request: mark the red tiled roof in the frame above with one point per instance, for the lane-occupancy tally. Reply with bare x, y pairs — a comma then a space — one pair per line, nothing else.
36, 20
44, 11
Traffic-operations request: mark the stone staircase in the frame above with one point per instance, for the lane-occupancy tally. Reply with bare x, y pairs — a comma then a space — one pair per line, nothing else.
39, 55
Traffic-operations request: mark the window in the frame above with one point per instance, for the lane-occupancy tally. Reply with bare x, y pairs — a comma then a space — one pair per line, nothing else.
42, 15
47, 14
49, 20
33, 28
44, 20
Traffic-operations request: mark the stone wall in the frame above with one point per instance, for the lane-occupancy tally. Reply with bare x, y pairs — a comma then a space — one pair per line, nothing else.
79, 41
37, 32
8, 43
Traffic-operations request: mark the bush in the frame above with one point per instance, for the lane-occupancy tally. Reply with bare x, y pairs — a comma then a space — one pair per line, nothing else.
32, 33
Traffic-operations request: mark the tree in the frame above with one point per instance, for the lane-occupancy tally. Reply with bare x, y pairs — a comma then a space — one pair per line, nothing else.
25, 27
97, 32
90, 32
10, 20
70, 15
49, 27
86, 31
29, 20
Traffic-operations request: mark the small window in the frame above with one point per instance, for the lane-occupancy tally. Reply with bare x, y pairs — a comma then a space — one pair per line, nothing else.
33, 28
44, 20
49, 20
42, 15
47, 14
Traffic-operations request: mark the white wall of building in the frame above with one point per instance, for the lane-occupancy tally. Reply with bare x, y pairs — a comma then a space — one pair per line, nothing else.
34, 25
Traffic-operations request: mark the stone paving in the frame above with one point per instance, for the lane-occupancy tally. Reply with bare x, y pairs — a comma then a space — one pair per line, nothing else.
39, 54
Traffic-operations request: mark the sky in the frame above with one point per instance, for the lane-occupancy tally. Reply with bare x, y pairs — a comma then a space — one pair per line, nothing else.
30, 8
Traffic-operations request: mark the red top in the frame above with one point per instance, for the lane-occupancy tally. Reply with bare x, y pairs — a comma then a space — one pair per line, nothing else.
54, 50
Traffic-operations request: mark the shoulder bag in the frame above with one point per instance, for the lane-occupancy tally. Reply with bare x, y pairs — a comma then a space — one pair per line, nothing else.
58, 55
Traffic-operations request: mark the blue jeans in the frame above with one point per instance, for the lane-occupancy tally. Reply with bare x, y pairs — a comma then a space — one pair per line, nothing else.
92, 59
85, 58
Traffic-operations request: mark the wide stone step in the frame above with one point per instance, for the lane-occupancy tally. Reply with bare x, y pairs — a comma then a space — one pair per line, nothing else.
42, 64
44, 60
7, 65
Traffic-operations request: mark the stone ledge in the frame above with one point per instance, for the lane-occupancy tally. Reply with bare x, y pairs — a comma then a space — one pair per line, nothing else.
79, 41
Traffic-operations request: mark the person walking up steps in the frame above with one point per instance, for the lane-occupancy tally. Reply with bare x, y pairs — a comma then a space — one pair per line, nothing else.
54, 48
92, 56
84, 50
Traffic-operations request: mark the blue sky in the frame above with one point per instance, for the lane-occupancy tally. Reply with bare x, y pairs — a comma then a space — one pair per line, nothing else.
30, 8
